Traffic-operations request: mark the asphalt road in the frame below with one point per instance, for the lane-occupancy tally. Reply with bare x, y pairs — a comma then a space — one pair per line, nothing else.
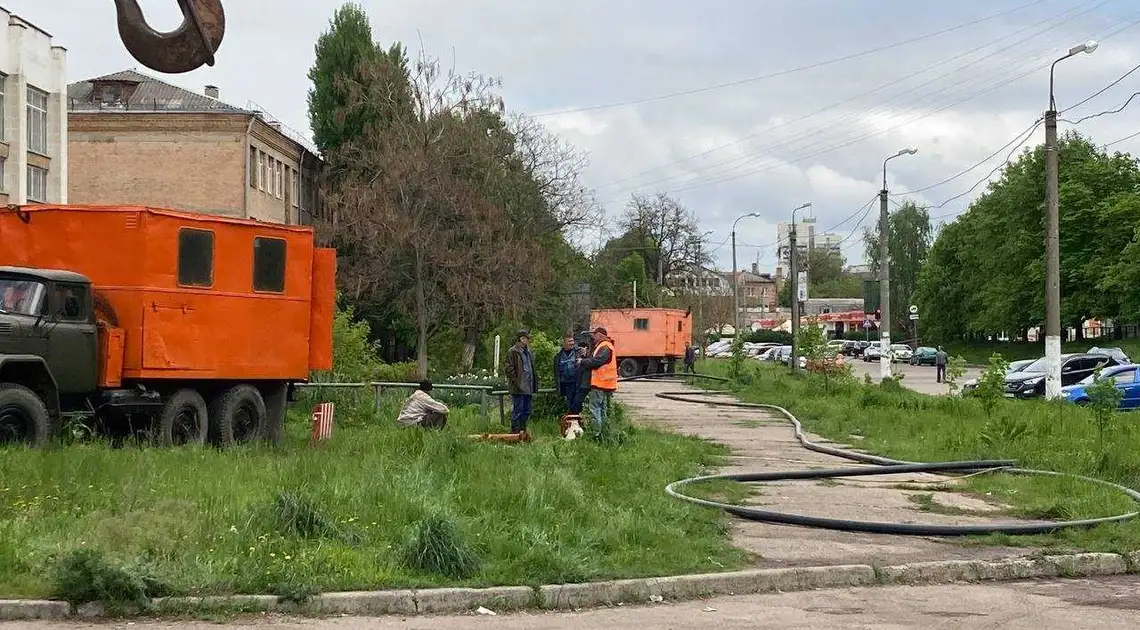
920, 378
1103, 604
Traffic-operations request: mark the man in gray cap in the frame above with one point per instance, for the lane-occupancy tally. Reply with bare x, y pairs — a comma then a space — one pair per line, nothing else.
522, 381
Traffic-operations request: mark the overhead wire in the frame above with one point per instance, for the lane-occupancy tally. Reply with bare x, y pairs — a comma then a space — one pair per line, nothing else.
788, 71
1004, 38
1124, 139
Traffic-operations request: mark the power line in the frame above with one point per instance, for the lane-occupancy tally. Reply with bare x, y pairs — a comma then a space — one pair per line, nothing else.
1104, 113
788, 71
1005, 37
1124, 139
1018, 140
1102, 90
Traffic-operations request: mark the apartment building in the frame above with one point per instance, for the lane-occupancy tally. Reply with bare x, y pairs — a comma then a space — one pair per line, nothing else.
136, 139
33, 128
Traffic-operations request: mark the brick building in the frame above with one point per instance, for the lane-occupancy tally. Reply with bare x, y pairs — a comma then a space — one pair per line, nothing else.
137, 140
33, 114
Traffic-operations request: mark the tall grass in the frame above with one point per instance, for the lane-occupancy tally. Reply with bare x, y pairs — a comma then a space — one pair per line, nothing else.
377, 507
902, 424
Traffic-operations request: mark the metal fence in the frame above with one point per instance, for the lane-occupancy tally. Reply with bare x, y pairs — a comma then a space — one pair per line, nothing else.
486, 392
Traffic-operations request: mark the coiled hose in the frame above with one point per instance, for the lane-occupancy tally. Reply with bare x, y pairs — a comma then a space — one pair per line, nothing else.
883, 466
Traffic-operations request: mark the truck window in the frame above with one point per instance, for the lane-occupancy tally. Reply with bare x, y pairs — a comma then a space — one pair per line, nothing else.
71, 300
641, 324
269, 264
195, 257
679, 326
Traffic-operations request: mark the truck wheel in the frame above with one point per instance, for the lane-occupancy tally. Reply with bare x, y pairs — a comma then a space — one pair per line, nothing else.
238, 416
183, 420
24, 419
627, 368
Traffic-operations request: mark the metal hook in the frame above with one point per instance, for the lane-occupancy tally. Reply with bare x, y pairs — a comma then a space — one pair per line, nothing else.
186, 48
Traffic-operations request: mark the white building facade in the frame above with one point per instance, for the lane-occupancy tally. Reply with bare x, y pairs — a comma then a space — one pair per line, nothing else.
33, 98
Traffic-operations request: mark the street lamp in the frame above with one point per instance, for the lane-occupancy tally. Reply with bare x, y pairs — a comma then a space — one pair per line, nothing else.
885, 271
701, 289
735, 280
793, 256
1052, 238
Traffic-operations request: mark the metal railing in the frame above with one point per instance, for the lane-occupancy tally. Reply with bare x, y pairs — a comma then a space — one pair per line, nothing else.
378, 387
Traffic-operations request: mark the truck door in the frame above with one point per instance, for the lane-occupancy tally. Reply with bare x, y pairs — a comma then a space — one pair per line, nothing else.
670, 335
72, 352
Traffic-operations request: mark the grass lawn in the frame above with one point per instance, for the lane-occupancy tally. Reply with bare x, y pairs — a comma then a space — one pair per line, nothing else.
979, 354
906, 425
341, 516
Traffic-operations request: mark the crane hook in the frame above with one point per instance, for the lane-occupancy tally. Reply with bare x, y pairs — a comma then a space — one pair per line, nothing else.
185, 48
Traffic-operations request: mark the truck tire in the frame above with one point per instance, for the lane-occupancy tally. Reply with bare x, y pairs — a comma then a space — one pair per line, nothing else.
627, 368
184, 419
238, 416
24, 418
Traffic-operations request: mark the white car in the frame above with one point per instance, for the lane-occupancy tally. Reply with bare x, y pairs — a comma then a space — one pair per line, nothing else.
901, 352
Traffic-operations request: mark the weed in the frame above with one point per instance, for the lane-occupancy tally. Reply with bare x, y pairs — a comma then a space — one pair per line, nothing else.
86, 575
436, 547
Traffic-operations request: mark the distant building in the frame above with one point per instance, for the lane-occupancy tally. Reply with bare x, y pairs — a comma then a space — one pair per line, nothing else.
33, 129
138, 140
806, 240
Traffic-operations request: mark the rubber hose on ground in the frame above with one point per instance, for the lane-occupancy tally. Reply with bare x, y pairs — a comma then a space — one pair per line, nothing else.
883, 466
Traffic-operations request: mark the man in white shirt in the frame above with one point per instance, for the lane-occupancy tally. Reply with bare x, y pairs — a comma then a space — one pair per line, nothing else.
421, 410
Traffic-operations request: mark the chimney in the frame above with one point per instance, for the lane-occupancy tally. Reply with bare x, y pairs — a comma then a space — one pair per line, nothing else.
212, 91
756, 268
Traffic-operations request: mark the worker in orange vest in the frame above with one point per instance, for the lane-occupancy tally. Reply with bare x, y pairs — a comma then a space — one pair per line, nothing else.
602, 369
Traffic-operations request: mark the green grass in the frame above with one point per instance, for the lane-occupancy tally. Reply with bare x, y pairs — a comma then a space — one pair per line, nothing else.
906, 425
979, 353
378, 507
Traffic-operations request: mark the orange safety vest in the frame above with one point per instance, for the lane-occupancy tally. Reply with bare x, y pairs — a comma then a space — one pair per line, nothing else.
605, 377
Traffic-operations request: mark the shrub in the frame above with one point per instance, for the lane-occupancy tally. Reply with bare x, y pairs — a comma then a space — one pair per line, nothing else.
991, 385
1104, 399
87, 575
437, 547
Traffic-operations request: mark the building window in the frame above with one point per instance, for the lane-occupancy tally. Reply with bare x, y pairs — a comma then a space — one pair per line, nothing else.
37, 184
641, 324
37, 121
3, 173
195, 257
3, 90
278, 180
296, 189
261, 157
252, 167
269, 264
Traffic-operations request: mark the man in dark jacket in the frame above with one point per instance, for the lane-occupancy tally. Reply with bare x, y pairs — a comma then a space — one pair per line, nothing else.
566, 371
690, 356
940, 360
522, 381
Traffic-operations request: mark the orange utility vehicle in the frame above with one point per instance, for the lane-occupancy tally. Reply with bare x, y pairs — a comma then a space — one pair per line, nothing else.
186, 327
647, 340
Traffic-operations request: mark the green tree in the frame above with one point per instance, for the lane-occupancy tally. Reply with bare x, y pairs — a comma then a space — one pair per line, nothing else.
991, 385
339, 53
1104, 399
910, 236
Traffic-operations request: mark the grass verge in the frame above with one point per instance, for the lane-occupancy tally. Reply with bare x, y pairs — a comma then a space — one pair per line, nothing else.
902, 424
377, 507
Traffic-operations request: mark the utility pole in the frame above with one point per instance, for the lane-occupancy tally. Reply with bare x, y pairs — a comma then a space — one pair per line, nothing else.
885, 272
793, 266
736, 280
1052, 238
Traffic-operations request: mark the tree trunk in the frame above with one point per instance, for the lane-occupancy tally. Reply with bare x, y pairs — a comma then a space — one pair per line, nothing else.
421, 318
470, 341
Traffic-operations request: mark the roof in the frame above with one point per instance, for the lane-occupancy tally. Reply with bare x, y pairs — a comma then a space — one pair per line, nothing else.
152, 94
178, 214
52, 275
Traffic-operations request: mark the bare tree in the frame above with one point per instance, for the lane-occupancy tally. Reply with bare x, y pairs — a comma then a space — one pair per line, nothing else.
556, 168
670, 233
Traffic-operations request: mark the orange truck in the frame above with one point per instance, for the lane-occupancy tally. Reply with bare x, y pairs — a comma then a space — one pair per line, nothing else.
647, 340
182, 328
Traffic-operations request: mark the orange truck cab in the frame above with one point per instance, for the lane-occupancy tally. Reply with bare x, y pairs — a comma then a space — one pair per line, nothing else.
182, 327
647, 340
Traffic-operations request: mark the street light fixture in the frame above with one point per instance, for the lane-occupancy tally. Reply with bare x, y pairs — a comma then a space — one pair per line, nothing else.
1052, 238
885, 271
793, 268
735, 280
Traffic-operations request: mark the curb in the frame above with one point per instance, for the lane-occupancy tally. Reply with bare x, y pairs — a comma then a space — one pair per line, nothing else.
610, 593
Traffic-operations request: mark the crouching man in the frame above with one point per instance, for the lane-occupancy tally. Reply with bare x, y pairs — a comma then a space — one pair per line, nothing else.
421, 410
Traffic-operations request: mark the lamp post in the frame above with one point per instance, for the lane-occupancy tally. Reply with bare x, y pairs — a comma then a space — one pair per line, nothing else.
735, 280
701, 288
1052, 238
793, 267
885, 272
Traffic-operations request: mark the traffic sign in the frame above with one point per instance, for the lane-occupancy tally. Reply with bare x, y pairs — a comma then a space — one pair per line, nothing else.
913, 310
868, 325
913, 316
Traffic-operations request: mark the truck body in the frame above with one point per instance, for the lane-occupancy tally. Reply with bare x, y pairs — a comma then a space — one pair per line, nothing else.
647, 340
188, 325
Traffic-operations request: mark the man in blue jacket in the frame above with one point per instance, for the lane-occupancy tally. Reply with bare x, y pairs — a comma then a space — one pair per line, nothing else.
566, 370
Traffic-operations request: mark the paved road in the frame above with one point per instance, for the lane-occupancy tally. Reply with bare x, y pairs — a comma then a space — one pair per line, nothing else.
1105, 604
920, 378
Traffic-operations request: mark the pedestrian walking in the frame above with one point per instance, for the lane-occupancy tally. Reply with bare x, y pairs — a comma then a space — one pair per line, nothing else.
522, 381
690, 357
601, 370
566, 369
940, 359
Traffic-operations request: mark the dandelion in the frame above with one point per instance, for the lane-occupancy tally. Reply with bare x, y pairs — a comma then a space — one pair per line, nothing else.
288, 557
233, 529
272, 555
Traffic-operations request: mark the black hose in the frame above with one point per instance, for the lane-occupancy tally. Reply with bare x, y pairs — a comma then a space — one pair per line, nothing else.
883, 466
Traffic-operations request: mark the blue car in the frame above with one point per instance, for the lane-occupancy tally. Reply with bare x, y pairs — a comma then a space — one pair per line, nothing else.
1126, 380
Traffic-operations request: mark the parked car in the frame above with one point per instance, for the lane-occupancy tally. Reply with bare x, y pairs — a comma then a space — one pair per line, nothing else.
766, 354
1115, 353
853, 348
1029, 382
1014, 366
923, 355
900, 352
1125, 377
872, 353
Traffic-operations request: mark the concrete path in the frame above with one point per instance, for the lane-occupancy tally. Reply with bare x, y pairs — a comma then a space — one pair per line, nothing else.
1104, 604
761, 442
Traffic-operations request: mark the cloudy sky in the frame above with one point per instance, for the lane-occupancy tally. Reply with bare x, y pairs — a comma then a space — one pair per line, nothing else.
734, 106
